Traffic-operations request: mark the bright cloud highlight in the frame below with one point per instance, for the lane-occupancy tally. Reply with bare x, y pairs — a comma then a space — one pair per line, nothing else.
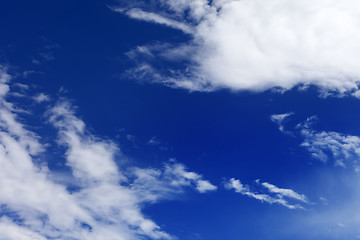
254, 45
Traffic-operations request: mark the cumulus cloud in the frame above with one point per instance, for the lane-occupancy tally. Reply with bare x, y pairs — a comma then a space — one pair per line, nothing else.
104, 200
269, 193
256, 45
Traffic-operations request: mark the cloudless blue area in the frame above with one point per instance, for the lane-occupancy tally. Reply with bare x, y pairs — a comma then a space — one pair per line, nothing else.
80, 46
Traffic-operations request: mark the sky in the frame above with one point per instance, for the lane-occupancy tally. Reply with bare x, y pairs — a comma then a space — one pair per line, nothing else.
179, 119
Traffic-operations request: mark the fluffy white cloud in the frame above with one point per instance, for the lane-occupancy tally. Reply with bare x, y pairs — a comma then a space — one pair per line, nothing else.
103, 201
256, 45
273, 194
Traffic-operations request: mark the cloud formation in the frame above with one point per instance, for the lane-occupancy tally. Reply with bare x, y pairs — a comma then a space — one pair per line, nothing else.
324, 145
273, 194
103, 200
255, 45
154, 184
156, 18
41, 97
279, 119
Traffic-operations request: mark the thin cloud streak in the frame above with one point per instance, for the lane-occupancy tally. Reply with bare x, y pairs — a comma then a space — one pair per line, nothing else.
273, 195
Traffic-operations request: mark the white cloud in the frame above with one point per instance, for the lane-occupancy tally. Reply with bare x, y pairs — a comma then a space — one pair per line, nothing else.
4, 78
273, 195
154, 184
256, 45
325, 145
41, 97
22, 86
156, 18
153, 141
283, 192
91, 159
102, 202
279, 119
344, 149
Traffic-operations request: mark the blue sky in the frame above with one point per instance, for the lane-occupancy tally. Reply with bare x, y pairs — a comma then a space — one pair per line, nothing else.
187, 120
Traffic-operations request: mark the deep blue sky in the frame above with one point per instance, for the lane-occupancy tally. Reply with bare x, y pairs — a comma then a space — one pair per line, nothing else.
80, 46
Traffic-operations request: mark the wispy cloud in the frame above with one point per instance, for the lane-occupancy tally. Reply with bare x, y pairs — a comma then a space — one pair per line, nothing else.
155, 18
154, 184
256, 45
344, 149
41, 97
104, 199
285, 192
324, 145
272, 194
279, 119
